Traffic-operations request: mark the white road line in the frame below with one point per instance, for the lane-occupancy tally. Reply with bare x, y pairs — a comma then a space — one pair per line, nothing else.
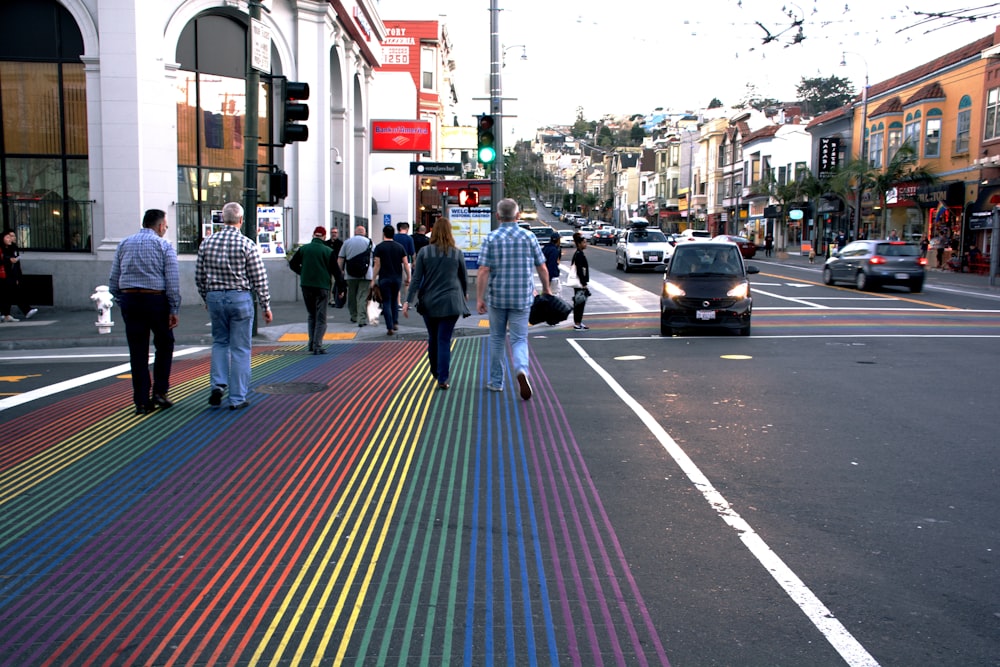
787, 298
42, 392
849, 648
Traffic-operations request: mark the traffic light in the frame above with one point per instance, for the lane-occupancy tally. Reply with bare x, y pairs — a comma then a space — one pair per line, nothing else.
278, 182
486, 151
291, 95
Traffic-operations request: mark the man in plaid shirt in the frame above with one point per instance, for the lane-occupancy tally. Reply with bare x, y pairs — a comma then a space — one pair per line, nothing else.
508, 256
229, 269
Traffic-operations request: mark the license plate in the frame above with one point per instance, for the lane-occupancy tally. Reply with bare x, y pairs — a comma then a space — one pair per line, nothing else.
902, 276
654, 258
705, 314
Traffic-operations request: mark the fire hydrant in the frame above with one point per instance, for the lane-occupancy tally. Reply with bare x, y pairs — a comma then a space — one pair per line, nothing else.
105, 301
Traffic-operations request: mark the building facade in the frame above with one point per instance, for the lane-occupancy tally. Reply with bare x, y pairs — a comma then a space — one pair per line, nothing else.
137, 105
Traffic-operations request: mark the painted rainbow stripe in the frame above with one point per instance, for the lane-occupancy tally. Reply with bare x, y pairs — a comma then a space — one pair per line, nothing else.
378, 521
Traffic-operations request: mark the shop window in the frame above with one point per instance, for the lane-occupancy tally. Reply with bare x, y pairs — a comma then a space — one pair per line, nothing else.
43, 105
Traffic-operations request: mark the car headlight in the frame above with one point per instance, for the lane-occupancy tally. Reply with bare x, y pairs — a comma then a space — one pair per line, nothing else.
740, 291
672, 290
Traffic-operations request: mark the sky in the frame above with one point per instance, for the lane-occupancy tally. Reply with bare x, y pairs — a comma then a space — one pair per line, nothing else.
633, 56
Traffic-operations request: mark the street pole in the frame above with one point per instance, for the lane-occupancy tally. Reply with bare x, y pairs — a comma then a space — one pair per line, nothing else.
496, 105
251, 136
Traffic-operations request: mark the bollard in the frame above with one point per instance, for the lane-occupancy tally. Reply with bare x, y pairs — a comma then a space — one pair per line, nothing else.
105, 301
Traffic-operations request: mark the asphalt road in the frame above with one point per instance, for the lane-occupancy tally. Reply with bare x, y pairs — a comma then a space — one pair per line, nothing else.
821, 493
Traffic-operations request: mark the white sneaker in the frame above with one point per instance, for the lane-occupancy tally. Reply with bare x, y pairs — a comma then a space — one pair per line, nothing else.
31, 313
10, 318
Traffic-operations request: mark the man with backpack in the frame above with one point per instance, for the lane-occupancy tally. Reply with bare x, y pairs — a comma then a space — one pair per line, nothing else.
356, 264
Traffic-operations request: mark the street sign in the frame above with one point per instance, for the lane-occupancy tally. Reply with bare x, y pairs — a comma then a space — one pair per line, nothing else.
435, 169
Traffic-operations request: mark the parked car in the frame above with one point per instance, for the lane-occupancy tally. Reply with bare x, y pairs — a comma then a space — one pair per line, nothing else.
706, 286
872, 263
587, 232
604, 236
747, 247
557, 212
640, 247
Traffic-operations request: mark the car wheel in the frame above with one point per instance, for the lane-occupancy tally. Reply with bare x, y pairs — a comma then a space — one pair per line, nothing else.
625, 267
916, 286
618, 263
827, 276
666, 329
861, 281
745, 331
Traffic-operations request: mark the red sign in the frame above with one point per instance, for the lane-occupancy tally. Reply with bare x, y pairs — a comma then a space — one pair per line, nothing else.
401, 136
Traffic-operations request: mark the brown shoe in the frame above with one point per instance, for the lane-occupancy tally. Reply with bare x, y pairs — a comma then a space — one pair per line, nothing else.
524, 385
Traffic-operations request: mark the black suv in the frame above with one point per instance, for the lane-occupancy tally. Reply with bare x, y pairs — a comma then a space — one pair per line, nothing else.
872, 263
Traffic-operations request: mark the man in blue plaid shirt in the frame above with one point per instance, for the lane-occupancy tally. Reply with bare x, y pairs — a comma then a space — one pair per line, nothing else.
228, 271
145, 283
506, 261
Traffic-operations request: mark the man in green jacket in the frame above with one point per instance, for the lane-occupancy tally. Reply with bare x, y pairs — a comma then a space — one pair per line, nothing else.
316, 264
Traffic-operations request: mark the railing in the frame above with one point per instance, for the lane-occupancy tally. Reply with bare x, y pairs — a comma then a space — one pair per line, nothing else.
61, 225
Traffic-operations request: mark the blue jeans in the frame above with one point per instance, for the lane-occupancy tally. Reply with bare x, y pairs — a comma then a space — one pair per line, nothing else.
390, 301
515, 322
439, 331
232, 326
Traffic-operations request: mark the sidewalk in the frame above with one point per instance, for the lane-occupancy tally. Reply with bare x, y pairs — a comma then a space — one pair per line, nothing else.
52, 328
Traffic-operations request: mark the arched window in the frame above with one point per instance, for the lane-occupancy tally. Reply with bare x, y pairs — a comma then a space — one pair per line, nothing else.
876, 144
43, 147
911, 133
964, 126
211, 116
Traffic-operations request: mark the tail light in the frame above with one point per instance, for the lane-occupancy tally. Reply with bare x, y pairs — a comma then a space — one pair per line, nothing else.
877, 260
922, 261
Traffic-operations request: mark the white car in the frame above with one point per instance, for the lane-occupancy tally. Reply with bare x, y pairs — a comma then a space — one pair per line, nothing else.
695, 235
641, 248
587, 232
566, 238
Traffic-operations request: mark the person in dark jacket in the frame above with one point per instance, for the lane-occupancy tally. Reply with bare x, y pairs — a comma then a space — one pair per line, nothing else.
391, 272
11, 290
338, 288
315, 263
582, 269
440, 282
553, 253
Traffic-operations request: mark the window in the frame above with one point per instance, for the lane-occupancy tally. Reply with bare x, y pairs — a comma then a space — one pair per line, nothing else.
911, 132
876, 145
932, 134
782, 175
43, 106
427, 68
964, 124
992, 124
209, 92
894, 139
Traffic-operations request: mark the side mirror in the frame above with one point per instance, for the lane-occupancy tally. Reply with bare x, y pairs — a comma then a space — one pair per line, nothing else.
752, 269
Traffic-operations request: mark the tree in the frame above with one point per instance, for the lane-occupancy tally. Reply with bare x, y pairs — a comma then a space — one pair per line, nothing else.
636, 134
582, 127
753, 99
825, 93
715, 103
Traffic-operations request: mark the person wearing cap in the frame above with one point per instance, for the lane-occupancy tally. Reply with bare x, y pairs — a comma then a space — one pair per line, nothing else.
316, 265
553, 253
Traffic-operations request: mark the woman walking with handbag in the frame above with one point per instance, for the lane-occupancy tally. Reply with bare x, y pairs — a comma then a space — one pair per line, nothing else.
440, 288
579, 269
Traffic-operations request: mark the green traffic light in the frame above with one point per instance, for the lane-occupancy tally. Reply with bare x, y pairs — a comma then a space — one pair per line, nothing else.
487, 154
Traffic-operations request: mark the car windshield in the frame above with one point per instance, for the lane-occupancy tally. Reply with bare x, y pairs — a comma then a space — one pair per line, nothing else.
897, 250
647, 236
723, 261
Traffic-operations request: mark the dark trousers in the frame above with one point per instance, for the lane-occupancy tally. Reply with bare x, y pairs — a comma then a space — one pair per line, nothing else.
579, 303
316, 300
146, 314
439, 332
390, 301
12, 294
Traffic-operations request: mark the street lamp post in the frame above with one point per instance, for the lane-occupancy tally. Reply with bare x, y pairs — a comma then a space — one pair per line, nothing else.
864, 135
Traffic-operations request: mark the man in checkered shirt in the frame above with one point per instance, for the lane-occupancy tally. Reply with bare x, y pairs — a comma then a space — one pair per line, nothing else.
228, 271
508, 256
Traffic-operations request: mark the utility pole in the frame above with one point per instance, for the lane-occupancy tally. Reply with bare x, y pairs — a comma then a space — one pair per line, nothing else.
496, 105
251, 136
